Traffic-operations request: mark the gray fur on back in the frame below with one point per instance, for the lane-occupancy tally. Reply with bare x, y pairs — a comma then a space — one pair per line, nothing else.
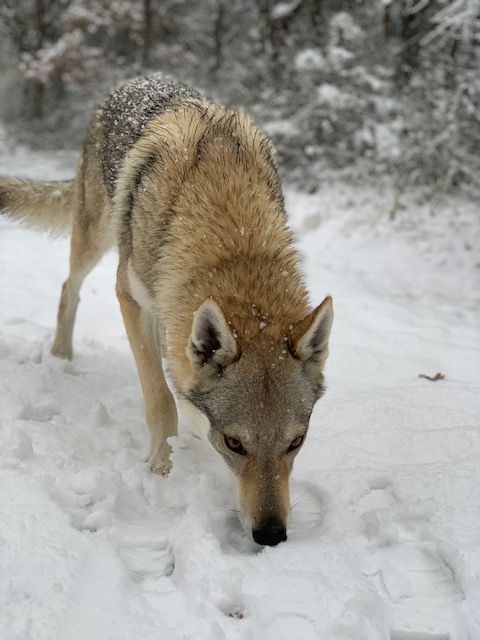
126, 113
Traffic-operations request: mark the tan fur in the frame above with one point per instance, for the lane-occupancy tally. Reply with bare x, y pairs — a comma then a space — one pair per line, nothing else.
45, 206
253, 492
198, 219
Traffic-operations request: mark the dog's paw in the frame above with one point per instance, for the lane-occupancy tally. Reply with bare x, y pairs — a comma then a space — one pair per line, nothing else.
162, 469
160, 466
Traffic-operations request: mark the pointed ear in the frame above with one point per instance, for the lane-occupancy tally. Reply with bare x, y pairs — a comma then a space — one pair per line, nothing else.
211, 340
310, 336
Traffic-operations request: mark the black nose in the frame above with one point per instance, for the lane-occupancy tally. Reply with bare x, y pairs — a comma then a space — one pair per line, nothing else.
270, 533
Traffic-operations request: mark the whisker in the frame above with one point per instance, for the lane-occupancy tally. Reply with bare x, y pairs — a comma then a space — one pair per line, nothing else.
297, 499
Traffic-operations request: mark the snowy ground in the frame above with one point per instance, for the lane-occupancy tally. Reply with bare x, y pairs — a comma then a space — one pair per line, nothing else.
384, 541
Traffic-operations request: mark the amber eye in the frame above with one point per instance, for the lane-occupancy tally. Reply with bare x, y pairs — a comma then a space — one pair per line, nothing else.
235, 445
295, 444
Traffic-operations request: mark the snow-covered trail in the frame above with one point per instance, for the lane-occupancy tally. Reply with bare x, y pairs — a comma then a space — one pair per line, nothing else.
384, 542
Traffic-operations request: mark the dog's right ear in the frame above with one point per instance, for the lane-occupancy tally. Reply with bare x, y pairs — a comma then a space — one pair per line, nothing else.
211, 341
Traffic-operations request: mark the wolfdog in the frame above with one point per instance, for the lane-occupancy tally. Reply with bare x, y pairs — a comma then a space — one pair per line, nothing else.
208, 277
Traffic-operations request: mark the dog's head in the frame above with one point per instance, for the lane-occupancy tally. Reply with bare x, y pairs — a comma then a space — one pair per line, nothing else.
258, 396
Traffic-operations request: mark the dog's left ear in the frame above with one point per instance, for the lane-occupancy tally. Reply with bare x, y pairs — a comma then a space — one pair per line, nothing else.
310, 336
211, 341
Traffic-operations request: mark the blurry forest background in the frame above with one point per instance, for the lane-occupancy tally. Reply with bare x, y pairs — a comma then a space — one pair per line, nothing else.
356, 89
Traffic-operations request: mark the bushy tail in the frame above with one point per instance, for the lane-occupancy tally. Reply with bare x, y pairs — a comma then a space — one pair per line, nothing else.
46, 206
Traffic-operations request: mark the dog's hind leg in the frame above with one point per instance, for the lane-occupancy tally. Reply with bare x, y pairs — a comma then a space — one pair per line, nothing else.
85, 253
160, 409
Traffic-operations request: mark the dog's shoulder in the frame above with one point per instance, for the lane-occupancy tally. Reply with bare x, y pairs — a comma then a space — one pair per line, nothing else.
128, 110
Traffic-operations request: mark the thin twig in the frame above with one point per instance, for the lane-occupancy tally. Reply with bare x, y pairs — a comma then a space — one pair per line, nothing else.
437, 376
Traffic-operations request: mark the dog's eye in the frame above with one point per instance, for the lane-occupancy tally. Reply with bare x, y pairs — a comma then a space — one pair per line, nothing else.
235, 445
295, 444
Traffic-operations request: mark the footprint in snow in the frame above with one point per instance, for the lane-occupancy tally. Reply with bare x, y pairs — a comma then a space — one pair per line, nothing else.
100, 416
28, 353
42, 411
407, 569
18, 445
146, 555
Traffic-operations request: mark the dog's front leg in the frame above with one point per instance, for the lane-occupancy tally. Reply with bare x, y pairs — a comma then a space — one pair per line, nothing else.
160, 409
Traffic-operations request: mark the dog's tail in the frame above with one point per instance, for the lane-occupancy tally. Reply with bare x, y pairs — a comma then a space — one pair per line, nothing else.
45, 206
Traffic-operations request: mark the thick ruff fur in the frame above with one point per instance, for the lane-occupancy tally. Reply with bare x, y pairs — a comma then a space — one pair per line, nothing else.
208, 277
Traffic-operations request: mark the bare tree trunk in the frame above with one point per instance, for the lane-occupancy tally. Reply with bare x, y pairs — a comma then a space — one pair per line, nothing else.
37, 95
414, 24
147, 32
319, 21
388, 29
218, 30
271, 35
38, 90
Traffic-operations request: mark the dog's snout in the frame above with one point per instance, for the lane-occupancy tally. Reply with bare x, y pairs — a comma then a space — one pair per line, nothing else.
271, 532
